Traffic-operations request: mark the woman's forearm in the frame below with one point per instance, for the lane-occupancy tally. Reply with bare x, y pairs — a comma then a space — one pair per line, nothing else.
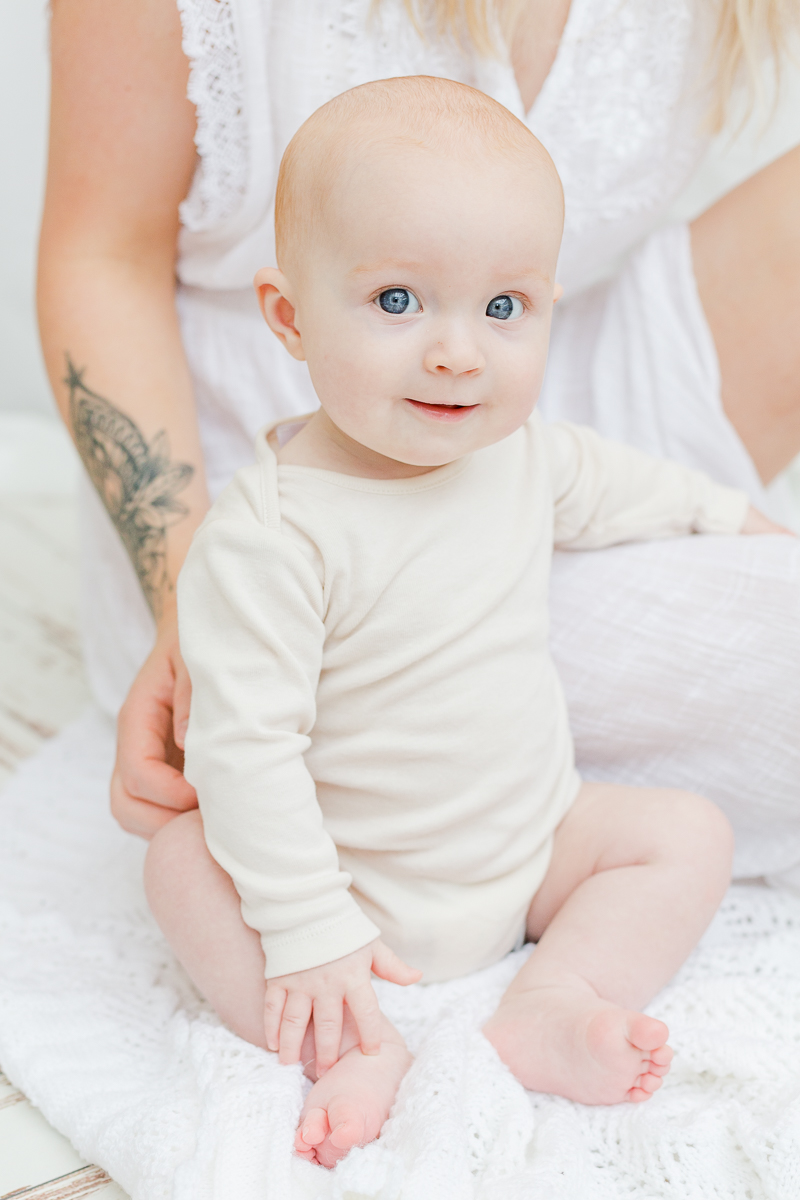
116, 364
121, 159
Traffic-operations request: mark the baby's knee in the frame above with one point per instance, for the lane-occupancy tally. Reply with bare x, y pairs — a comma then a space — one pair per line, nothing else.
701, 834
170, 855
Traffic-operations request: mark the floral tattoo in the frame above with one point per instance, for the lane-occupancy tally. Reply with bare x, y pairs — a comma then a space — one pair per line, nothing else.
137, 482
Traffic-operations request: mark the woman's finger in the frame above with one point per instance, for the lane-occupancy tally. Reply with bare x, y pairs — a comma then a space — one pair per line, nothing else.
181, 702
144, 742
328, 1017
296, 1015
387, 965
139, 817
363, 1004
274, 1002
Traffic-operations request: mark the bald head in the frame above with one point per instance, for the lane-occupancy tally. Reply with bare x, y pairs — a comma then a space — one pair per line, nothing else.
375, 119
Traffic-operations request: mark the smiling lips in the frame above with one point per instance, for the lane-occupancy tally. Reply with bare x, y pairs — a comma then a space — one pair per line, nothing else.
443, 412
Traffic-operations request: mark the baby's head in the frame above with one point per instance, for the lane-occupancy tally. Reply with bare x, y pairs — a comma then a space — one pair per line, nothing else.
417, 228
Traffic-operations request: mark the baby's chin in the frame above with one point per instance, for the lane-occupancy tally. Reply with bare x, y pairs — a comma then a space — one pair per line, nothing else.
421, 436
444, 433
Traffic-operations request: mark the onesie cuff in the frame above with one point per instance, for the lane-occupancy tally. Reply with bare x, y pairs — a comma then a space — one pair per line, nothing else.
722, 510
314, 945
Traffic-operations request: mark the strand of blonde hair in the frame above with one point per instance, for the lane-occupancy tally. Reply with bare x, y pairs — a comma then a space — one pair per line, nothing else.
749, 33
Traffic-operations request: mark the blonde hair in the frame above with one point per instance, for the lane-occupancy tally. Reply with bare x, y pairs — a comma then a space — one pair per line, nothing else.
747, 32
418, 110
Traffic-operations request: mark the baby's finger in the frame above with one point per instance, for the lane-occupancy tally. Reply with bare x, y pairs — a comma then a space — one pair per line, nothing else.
387, 965
274, 1002
328, 1017
363, 1004
296, 1015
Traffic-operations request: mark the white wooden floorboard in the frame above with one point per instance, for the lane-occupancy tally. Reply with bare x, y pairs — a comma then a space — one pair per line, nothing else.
37, 1162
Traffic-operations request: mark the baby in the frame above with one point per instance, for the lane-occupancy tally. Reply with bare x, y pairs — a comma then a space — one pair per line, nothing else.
378, 738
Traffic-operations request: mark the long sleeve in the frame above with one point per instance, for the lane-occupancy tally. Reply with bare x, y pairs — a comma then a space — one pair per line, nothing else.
251, 626
605, 492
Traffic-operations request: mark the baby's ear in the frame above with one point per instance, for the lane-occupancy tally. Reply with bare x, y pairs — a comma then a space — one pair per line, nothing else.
558, 292
273, 291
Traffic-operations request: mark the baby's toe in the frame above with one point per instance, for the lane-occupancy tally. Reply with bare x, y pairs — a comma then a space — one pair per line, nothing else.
646, 1033
348, 1132
649, 1083
329, 1155
348, 1128
310, 1154
313, 1129
661, 1057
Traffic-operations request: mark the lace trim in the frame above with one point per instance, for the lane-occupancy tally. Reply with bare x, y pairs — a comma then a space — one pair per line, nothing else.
617, 111
216, 88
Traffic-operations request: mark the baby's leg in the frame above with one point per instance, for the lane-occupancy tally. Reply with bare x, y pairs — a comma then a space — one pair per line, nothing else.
635, 878
198, 909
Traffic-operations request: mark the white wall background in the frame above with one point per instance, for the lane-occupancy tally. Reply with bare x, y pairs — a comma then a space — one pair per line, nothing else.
23, 103
23, 145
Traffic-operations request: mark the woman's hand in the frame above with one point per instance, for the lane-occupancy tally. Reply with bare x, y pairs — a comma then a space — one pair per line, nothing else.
121, 160
148, 788
322, 992
756, 522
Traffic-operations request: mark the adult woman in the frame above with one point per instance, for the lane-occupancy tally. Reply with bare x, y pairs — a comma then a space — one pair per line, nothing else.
615, 92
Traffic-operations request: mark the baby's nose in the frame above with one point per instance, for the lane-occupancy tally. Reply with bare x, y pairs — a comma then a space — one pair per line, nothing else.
454, 356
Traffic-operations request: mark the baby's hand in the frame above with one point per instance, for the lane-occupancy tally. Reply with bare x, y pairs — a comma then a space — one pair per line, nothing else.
322, 992
756, 522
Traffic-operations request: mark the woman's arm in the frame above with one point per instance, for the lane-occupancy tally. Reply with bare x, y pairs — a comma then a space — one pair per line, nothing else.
121, 160
746, 251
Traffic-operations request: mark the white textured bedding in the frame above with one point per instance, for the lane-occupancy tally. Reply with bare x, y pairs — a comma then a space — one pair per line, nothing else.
102, 1030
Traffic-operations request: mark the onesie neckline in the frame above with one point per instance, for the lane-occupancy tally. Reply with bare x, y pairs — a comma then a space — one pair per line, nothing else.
356, 483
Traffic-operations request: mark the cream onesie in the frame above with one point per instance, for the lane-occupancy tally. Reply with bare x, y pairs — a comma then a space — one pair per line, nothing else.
378, 737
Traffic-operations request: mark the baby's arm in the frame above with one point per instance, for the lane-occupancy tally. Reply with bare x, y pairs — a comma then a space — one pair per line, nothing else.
606, 492
251, 620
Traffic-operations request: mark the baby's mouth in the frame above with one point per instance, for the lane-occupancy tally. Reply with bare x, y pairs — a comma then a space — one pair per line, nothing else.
443, 412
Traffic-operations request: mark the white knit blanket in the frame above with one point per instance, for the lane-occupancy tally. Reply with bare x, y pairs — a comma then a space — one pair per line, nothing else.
99, 1026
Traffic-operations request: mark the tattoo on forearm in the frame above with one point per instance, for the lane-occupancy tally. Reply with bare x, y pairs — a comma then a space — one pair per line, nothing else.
136, 481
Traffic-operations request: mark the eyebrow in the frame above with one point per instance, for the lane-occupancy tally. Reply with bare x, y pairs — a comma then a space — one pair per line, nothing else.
393, 264
386, 264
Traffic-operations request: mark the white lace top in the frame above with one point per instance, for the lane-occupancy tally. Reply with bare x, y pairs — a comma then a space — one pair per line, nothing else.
620, 112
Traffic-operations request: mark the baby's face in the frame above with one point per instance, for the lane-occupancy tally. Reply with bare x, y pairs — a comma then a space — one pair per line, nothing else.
424, 311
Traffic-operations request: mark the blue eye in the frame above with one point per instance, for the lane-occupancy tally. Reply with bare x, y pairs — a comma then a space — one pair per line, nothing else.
398, 301
505, 308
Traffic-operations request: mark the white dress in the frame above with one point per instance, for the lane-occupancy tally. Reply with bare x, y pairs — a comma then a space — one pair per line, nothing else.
679, 660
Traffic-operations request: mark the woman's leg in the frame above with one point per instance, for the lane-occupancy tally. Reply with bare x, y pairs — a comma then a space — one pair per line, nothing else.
636, 876
746, 251
198, 910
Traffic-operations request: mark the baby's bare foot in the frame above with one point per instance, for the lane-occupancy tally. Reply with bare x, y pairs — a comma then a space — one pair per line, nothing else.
350, 1103
570, 1043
